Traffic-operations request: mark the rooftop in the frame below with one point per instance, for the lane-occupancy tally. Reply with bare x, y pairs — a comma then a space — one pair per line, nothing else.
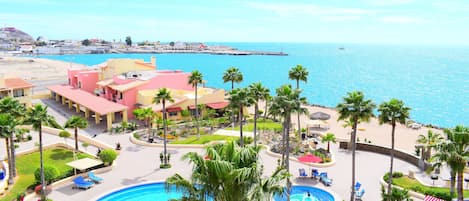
92, 102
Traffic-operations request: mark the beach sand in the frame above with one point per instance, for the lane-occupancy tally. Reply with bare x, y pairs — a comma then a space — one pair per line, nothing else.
35, 68
39, 72
371, 131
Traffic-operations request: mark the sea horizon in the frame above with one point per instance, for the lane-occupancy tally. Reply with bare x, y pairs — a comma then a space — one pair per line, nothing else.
430, 79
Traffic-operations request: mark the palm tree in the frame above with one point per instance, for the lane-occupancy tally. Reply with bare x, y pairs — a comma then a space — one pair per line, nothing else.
146, 115
298, 73
355, 108
162, 96
329, 137
232, 75
13, 107
37, 116
285, 103
267, 98
223, 172
240, 98
76, 122
428, 142
7, 130
455, 153
258, 93
392, 112
195, 79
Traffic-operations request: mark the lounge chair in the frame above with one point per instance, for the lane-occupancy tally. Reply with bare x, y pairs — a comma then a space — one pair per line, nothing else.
94, 178
314, 173
357, 186
324, 179
302, 173
80, 182
359, 195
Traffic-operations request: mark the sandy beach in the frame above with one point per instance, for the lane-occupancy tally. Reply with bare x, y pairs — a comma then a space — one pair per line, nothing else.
35, 68
38, 71
371, 131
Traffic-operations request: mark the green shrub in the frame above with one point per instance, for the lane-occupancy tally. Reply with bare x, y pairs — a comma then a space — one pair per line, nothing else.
50, 173
246, 140
394, 175
396, 195
108, 156
136, 136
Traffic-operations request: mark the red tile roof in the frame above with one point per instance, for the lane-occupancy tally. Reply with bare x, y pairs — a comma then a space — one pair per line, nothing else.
17, 83
218, 105
173, 109
90, 101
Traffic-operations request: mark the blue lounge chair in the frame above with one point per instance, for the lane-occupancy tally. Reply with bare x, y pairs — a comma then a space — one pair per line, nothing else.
324, 179
357, 186
314, 173
94, 178
80, 182
360, 194
302, 173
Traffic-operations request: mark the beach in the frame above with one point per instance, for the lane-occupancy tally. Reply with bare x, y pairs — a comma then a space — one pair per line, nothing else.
405, 138
38, 71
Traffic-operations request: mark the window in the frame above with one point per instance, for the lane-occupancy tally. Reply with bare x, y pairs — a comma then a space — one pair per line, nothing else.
18, 93
121, 96
79, 84
172, 114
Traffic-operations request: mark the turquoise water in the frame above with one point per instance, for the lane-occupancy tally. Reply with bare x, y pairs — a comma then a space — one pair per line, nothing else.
433, 81
157, 192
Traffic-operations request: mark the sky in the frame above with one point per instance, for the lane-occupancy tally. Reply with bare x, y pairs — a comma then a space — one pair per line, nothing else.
319, 21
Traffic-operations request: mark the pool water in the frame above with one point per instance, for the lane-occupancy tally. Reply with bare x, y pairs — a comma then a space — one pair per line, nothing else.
157, 192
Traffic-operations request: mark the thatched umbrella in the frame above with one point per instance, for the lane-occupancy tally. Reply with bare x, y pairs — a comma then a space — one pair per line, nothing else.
320, 116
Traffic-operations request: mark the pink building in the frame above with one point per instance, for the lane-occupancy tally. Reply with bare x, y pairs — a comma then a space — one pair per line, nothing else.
126, 84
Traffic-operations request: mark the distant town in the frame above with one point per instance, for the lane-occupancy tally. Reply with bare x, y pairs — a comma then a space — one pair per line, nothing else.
16, 42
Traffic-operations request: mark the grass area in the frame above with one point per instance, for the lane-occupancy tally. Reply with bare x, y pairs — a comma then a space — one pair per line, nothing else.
27, 164
262, 124
414, 185
204, 139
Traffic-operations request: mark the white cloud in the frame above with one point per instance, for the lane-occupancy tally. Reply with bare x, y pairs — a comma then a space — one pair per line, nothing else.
388, 2
309, 9
340, 18
402, 20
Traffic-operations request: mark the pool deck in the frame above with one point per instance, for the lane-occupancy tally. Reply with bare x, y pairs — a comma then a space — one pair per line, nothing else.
138, 164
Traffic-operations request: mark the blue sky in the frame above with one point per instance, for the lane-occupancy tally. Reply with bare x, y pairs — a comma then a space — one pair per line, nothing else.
349, 21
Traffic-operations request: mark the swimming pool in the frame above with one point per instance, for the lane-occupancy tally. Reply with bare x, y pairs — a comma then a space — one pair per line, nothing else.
156, 191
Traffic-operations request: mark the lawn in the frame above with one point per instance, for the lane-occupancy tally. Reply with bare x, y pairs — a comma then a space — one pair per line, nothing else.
204, 139
262, 124
414, 185
27, 164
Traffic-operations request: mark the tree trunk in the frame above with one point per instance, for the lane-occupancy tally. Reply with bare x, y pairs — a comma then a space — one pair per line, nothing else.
328, 147
197, 114
256, 109
10, 173
76, 138
241, 139
266, 108
12, 156
287, 156
299, 123
232, 110
354, 133
147, 121
41, 162
165, 160
283, 142
452, 182
392, 160
460, 185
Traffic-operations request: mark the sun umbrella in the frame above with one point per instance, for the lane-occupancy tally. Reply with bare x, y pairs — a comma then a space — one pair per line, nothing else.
309, 158
319, 115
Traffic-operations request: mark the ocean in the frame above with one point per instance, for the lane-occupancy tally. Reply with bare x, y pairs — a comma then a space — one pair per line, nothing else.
433, 81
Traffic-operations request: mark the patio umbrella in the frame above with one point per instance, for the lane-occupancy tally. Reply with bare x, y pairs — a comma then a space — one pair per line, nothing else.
309, 158
319, 115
